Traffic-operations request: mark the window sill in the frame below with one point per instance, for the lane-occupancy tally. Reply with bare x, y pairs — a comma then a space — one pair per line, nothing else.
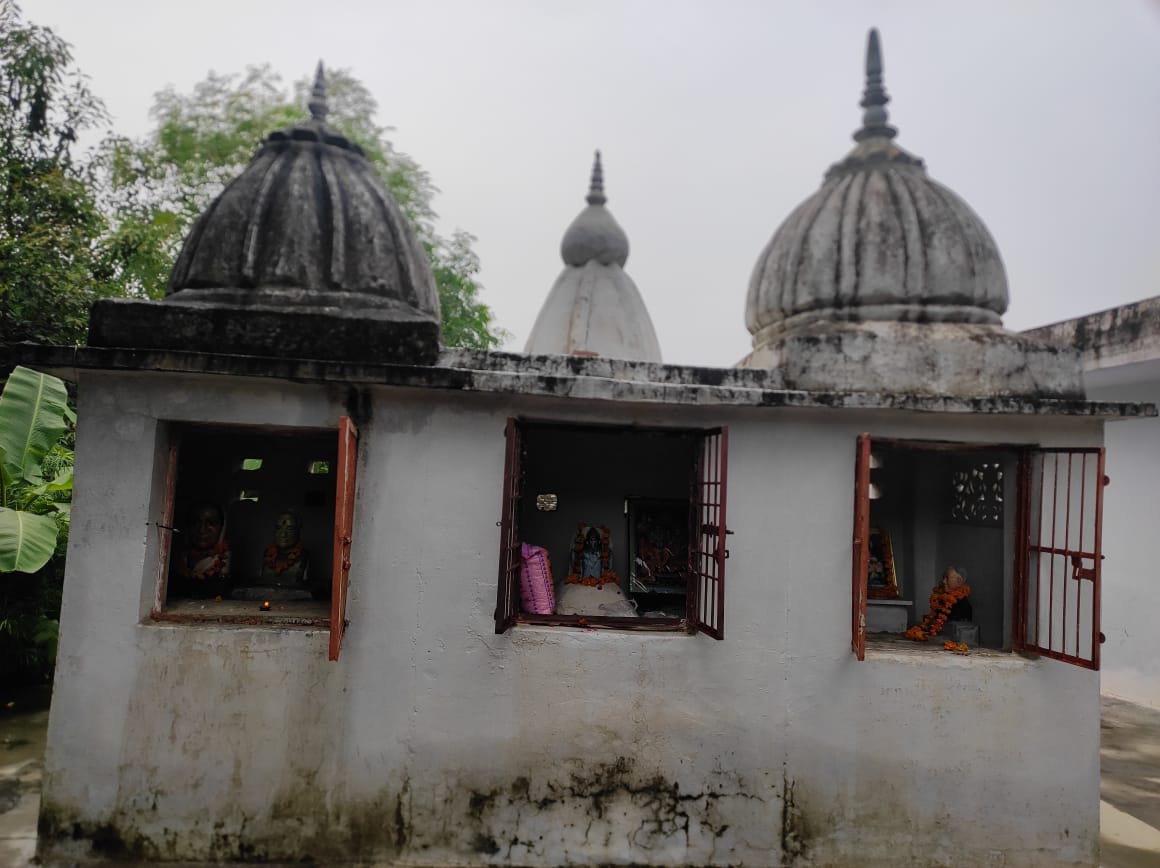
601, 622
886, 647
289, 613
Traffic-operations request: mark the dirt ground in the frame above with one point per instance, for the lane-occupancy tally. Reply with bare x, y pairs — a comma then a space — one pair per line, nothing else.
1129, 780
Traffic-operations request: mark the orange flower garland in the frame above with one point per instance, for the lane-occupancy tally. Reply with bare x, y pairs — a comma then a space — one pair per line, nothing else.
201, 564
942, 600
277, 565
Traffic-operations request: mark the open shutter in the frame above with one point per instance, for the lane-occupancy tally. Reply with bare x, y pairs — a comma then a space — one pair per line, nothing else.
343, 526
861, 545
507, 602
165, 526
1057, 605
706, 606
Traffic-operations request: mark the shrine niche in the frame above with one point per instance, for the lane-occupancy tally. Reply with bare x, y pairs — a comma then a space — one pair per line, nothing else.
612, 507
254, 522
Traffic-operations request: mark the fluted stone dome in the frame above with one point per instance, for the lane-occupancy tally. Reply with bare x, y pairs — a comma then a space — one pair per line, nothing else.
886, 280
594, 308
305, 254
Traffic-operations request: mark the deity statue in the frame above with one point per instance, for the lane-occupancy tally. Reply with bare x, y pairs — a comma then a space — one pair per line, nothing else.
591, 558
285, 561
591, 587
948, 602
953, 583
202, 566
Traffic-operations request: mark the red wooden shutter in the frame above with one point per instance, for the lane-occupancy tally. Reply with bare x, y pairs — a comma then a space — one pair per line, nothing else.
507, 601
165, 528
861, 553
706, 605
343, 527
1057, 606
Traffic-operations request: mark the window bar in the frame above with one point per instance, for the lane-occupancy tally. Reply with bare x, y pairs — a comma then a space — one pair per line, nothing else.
1066, 547
1078, 581
1097, 548
1042, 460
1051, 561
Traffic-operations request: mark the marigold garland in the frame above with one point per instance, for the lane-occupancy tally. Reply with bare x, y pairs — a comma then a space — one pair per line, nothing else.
193, 564
942, 600
272, 563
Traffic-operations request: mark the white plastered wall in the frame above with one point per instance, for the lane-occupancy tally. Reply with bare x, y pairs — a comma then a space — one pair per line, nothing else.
434, 741
1131, 577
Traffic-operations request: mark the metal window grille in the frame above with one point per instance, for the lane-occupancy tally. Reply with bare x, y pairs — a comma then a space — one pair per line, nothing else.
861, 545
1057, 602
706, 604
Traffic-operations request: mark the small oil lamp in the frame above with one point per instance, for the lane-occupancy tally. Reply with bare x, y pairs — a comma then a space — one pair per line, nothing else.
265, 605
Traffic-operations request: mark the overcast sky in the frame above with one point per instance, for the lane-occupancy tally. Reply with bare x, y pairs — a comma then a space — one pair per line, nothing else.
715, 119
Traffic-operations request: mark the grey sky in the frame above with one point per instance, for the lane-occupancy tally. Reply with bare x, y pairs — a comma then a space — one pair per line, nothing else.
715, 120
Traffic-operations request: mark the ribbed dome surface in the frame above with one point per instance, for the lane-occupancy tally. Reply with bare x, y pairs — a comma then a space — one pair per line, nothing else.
308, 213
594, 308
304, 255
879, 241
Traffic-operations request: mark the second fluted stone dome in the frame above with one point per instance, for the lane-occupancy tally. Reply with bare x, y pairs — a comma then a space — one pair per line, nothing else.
879, 241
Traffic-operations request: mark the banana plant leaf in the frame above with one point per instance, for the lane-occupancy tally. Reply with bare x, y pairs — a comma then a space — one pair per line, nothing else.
33, 416
27, 541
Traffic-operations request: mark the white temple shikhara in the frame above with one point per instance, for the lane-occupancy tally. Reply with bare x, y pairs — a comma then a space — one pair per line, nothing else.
594, 308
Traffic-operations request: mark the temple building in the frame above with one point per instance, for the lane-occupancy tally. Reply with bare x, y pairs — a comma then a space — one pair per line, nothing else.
337, 594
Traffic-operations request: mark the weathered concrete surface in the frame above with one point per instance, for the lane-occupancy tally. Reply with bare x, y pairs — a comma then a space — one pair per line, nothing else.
1129, 785
1109, 338
1129, 773
23, 725
552, 376
921, 358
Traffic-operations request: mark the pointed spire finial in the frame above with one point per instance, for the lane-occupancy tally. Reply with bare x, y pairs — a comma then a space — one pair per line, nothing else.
596, 187
874, 97
317, 105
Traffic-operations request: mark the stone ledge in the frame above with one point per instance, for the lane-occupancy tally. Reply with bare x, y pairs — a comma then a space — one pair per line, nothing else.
558, 377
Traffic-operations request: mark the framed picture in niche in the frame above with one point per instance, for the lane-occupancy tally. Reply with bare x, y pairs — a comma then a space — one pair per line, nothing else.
882, 577
658, 533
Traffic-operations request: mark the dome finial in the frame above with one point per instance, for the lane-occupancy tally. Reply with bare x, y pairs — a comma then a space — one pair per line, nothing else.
596, 187
317, 105
874, 97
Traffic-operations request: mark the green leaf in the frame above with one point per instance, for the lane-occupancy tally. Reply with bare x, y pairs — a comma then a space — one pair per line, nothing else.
32, 419
27, 541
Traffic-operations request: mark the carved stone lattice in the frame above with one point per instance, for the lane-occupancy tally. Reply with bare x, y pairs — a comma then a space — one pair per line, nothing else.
977, 493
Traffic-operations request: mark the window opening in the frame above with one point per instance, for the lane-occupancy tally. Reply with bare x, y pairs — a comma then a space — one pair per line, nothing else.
1031, 574
229, 548
633, 533
319, 468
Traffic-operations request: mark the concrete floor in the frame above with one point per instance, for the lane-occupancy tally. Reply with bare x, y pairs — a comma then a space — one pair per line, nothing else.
1129, 780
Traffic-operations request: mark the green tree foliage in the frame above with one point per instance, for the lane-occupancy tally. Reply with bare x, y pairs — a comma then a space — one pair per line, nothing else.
36, 482
52, 264
157, 187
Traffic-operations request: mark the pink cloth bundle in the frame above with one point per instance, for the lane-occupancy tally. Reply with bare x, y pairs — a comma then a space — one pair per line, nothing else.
537, 593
